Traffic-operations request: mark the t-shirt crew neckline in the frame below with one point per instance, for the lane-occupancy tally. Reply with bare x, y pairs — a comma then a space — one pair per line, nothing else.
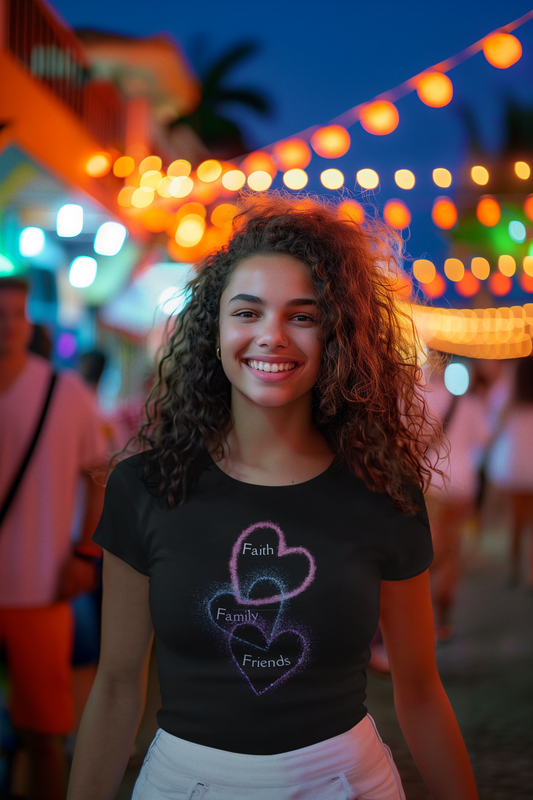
259, 487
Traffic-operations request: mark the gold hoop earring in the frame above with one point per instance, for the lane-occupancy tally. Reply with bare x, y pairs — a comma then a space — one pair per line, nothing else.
218, 354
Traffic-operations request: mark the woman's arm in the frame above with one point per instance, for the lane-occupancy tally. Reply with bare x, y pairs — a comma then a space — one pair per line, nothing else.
116, 702
423, 709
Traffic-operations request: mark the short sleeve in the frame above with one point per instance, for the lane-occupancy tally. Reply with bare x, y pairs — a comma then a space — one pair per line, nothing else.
118, 530
409, 546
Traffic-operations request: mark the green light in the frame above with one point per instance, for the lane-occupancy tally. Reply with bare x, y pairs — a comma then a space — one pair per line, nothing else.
517, 231
6, 267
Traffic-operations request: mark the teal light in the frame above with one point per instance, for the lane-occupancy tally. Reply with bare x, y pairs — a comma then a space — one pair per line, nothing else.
6, 267
517, 231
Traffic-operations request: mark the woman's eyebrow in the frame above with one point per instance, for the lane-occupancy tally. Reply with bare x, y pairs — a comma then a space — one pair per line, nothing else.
251, 298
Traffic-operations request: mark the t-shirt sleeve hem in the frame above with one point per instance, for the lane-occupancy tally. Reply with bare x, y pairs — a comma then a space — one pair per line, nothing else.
414, 574
115, 552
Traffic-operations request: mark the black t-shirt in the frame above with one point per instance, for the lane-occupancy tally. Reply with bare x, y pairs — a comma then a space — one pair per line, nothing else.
263, 599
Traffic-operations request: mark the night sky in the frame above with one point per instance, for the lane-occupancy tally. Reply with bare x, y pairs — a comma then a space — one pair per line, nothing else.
318, 59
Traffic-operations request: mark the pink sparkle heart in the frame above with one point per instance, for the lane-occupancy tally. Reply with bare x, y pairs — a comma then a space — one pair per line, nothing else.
283, 550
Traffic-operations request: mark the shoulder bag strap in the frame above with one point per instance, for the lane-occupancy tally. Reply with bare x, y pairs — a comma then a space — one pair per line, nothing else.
29, 452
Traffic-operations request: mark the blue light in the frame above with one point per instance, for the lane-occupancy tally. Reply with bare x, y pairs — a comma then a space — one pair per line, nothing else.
456, 379
517, 231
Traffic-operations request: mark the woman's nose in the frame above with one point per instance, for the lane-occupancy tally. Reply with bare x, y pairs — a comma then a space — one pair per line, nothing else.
272, 334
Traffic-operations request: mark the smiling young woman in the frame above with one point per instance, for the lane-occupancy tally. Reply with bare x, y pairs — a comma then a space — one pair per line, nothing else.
275, 500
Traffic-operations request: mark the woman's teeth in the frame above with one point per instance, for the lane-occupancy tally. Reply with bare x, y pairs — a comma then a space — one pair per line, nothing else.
266, 366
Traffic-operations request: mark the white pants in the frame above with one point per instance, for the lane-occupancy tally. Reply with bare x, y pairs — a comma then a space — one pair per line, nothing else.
355, 764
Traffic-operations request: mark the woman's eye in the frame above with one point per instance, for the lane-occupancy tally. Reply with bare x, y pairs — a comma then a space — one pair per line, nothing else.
245, 314
303, 318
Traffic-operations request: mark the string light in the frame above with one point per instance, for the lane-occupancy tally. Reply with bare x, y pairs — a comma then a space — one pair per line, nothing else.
179, 168
507, 265
292, 154
444, 213
480, 175
404, 178
488, 211
502, 50
522, 170
332, 141
442, 177
233, 180
209, 171
295, 179
259, 181
351, 209
150, 163
435, 89
480, 268
424, 270
123, 166
367, 178
379, 117
332, 178
396, 214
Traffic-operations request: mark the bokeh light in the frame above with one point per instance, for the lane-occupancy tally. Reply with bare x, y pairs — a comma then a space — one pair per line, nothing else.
82, 272
333, 141
502, 50
436, 287
260, 161
507, 265
468, 286
526, 282
479, 175
527, 265
31, 242
332, 178
222, 216
125, 196
209, 170
488, 211
295, 178
109, 238
181, 187
156, 220
6, 266
367, 178
190, 230
444, 213
173, 300
404, 178
123, 166
351, 209
454, 269
98, 165
150, 163
292, 154
528, 207
259, 181
435, 89
380, 117
163, 189
150, 180
442, 177
456, 379
233, 180
396, 214
522, 170
424, 270
66, 345
480, 268
69, 222
499, 284
141, 198
517, 231
180, 168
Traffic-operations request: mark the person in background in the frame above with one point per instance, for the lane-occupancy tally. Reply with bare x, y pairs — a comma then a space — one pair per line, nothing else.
39, 568
451, 497
510, 464
91, 367
274, 503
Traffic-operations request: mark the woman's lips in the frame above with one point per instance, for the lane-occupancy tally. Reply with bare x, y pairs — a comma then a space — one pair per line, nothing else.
271, 377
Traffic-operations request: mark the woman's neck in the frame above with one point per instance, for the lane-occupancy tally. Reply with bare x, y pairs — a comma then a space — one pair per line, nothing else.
274, 446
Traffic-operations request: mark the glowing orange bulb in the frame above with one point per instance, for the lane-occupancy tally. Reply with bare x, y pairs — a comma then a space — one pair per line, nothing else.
527, 265
179, 168
150, 162
435, 89
488, 211
333, 141
123, 166
436, 287
444, 213
379, 117
351, 209
156, 220
295, 179
442, 177
98, 165
499, 284
522, 170
468, 286
480, 268
454, 269
396, 214
507, 265
526, 282
332, 178
222, 215
259, 161
480, 175
502, 50
424, 270
292, 154
209, 170
125, 195
233, 180
259, 181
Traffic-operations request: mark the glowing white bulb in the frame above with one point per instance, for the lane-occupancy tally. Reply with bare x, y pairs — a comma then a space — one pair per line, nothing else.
173, 300
82, 272
109, 239
69, 220
31, 242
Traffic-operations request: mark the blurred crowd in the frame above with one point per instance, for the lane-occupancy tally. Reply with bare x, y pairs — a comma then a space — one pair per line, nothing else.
56, 442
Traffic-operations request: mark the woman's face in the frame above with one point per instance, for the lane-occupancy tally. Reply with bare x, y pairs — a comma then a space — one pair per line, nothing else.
269, 333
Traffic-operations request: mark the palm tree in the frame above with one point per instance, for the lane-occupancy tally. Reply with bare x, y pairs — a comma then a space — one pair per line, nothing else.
222, 136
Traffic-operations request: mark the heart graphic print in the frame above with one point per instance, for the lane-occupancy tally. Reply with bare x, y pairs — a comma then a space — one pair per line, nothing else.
251, 614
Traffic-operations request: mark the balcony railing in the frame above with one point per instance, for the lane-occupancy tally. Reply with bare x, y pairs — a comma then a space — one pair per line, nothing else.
53, 55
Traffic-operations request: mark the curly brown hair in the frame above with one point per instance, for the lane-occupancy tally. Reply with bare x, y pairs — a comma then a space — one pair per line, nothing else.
366, 401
